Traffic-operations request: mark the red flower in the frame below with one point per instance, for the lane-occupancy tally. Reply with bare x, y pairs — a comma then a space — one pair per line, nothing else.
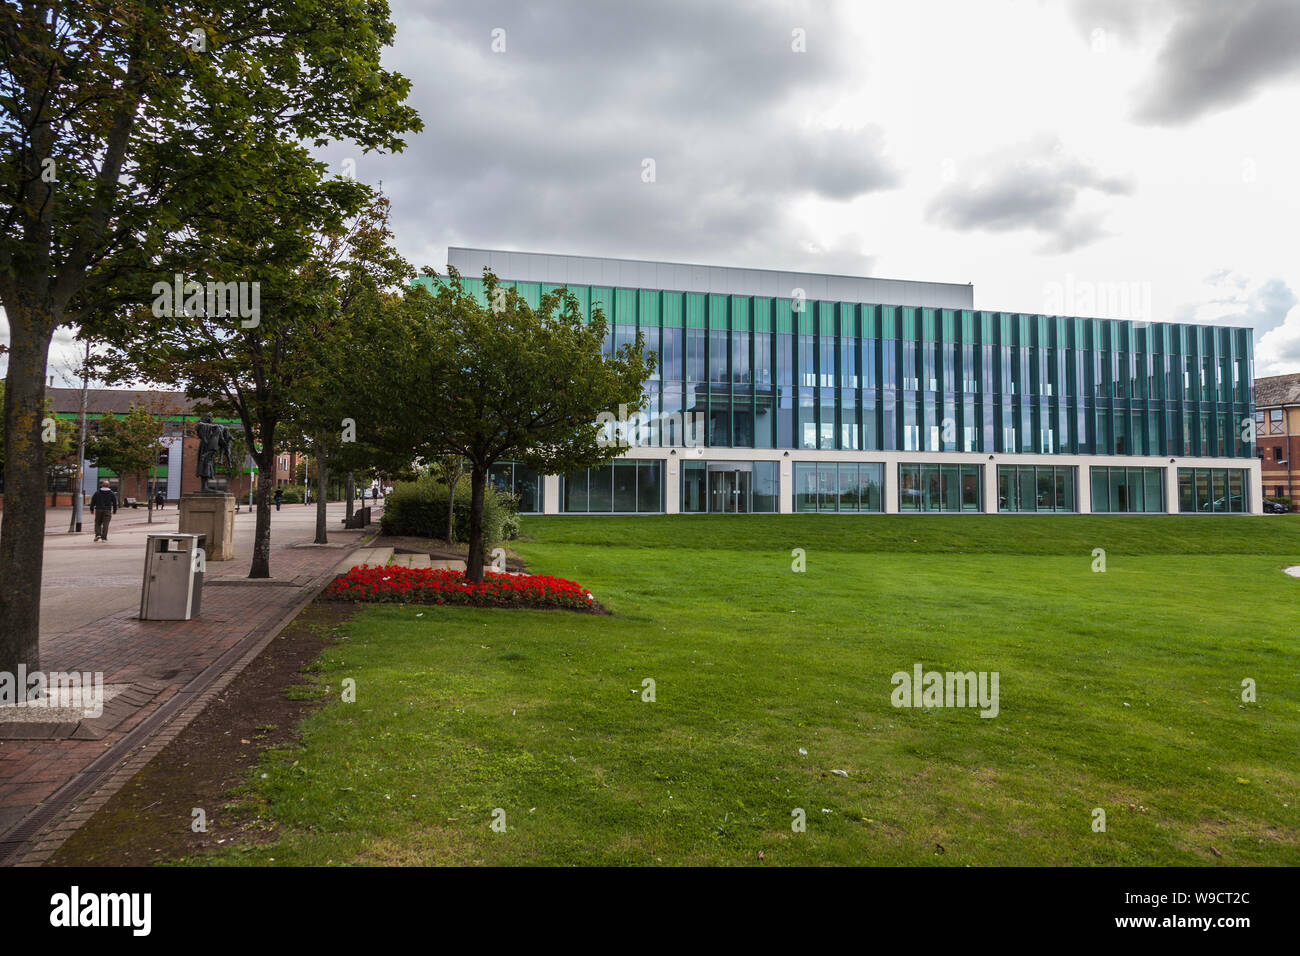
426, 585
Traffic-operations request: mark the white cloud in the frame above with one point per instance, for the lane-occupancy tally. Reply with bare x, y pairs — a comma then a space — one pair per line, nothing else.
1277, 352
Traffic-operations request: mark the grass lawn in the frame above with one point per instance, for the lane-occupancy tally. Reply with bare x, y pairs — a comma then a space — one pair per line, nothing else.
1119, 690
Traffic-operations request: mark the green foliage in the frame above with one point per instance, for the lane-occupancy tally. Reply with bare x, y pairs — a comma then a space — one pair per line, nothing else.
419, 508
61, 453
129, 444
342, 409
126, 128
238, 456
291, 494
507, 381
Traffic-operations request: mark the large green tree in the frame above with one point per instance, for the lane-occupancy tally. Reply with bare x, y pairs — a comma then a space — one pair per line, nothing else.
250, 365
504, 380
341, 411
120, 121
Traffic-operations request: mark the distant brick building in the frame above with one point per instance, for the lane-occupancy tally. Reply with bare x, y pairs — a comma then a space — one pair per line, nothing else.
1277, 427
176, 463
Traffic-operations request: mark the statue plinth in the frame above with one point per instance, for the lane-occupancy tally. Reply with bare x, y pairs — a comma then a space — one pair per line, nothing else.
210, 513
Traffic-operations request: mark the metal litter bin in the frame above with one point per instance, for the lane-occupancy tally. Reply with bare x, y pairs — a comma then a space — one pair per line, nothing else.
173, 577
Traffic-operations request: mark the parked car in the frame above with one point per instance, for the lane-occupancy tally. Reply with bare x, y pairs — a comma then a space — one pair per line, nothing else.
1233, 503
1274, 507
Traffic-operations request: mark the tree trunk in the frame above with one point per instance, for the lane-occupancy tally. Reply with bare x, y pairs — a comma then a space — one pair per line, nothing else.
22, 533
453, 479
351, 490
474, 559
322, 486
261, 566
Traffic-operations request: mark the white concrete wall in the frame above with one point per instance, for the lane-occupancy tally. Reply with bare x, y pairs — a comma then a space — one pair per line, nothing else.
892, 459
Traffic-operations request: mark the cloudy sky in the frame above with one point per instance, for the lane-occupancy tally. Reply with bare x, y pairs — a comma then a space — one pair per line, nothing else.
1056, 153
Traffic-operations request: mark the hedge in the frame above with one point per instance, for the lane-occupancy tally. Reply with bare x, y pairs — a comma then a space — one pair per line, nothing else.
419, 508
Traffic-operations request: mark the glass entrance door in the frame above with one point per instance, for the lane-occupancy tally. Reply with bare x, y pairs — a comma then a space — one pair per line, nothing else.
729, 490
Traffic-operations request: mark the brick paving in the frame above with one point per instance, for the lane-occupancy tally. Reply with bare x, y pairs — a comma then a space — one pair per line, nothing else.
174, 667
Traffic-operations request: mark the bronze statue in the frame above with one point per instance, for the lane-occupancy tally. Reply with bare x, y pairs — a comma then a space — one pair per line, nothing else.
214, 445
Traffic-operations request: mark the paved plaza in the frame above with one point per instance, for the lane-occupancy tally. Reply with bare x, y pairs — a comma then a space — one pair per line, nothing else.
157, 674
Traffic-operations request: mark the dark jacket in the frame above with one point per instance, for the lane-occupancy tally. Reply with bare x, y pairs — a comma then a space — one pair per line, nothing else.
102, 500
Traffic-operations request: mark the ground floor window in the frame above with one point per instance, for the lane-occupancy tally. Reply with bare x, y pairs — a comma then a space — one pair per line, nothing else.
940, 487
729, 487
1213, 490
520, 481
1036, 488
838, 486
59, 480
1128, 490
625, 487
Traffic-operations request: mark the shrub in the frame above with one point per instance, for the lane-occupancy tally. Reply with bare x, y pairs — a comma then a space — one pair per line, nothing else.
292, 494
419, 508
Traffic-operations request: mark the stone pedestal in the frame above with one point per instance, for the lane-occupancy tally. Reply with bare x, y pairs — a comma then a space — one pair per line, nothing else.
212, 514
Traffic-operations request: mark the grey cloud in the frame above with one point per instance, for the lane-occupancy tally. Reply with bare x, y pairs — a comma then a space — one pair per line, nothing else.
1213, 54
1262, 307
541, 147
1219, 54
1034, 186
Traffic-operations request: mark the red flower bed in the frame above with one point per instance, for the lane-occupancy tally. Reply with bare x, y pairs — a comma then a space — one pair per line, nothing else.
438, 586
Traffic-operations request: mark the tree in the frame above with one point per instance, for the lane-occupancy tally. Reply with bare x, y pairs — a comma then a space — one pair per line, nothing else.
120, 122
58, 442
249, 366
451, 466
238, 462
129, 445
341, 409
507, 381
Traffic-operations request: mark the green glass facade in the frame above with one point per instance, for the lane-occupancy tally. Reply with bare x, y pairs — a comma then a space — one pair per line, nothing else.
1203, 490
1127, 490
843, 486
729, 487
766, 373
1030, 488
940, 487
523, 483
627, 486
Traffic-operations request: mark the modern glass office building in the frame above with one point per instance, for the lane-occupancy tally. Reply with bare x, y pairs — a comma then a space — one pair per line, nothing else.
782, 391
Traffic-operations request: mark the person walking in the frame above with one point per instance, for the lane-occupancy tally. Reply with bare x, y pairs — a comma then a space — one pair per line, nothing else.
103, 505
159, 499
279, 498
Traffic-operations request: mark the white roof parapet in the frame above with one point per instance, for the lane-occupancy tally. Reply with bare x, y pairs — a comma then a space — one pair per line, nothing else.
684, 277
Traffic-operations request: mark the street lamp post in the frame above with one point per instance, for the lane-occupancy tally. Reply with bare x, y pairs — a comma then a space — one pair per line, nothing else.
79, 492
